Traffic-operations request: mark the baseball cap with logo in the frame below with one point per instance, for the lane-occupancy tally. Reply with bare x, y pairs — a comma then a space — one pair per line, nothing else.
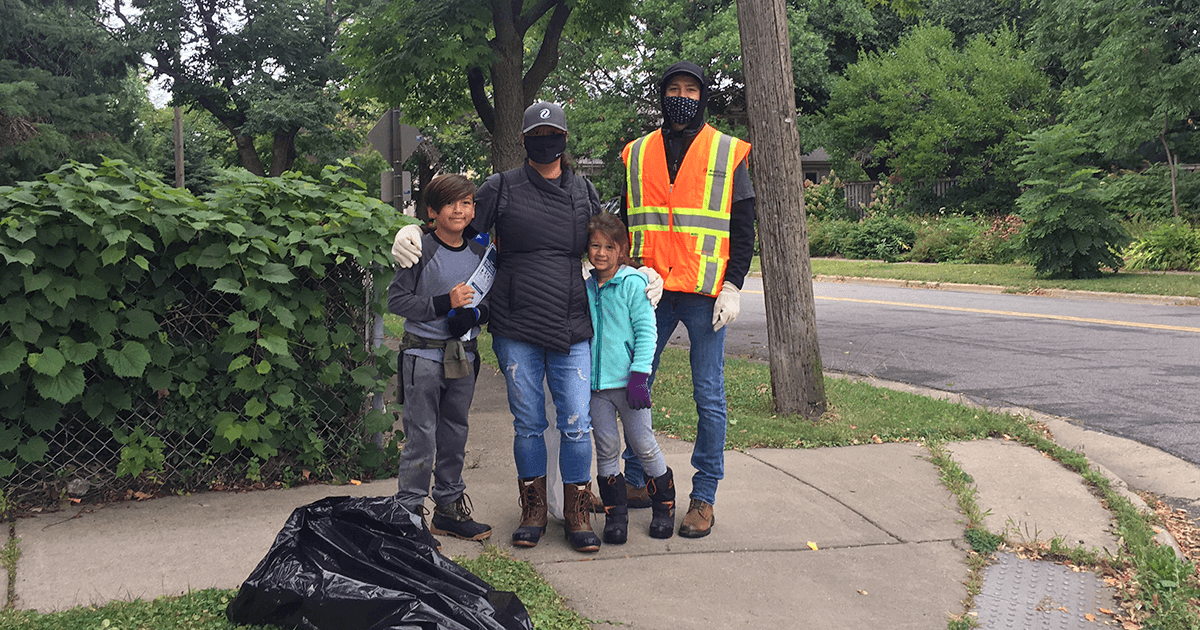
540, 114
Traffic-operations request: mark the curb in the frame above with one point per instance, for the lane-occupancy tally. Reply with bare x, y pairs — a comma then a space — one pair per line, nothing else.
1101, 296
1163, 537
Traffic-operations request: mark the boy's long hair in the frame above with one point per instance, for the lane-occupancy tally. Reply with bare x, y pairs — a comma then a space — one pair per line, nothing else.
447, 189
611, 227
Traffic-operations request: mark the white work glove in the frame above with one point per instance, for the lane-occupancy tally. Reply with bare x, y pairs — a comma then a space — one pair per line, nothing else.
654, 286
729, 303
406, 247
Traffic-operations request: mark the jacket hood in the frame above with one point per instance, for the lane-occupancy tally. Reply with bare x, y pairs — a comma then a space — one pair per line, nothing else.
689, 68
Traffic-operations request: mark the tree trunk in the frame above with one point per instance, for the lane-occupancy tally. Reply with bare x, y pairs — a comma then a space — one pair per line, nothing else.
507, 91
250, 159
796, 375
1170, 165
283, 152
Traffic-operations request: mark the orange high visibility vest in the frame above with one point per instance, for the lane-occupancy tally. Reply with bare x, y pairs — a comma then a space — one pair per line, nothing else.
682, 230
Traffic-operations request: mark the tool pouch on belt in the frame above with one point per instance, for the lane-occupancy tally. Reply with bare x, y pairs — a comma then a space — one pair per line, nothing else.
454, 357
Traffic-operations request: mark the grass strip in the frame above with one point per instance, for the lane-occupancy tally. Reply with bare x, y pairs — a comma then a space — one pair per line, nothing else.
1015, 278
205, 609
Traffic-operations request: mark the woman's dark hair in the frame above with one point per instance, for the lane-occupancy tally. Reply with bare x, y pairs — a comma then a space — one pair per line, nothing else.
611, 228
445, 190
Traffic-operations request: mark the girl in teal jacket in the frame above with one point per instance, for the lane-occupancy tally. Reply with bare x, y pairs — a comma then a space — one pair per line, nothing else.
623, 343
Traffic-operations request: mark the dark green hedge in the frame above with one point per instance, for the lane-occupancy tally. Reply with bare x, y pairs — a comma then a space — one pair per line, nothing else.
134, 311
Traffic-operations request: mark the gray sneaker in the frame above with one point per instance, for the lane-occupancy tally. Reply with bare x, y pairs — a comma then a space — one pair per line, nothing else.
454, 519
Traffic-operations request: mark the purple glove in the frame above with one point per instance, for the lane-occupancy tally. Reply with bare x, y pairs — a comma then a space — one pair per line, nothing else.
637, 390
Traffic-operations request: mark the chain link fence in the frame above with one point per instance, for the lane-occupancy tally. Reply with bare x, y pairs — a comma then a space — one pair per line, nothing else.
84, 453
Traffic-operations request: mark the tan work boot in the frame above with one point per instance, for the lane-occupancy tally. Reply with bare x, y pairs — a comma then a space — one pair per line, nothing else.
699, 520
638, 497
577, 512
533, 512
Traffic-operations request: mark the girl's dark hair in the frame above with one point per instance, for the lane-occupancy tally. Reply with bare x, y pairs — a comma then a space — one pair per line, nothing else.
447, 189
611, 227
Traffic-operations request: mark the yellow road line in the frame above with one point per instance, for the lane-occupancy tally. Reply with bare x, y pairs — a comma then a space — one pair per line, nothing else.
1065, 318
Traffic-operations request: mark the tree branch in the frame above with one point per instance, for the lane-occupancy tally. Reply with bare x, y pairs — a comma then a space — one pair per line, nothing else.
479, 98
525, 20
547, 57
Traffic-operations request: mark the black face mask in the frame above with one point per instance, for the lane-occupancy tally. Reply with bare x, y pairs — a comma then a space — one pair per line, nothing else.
545, 149
680, 109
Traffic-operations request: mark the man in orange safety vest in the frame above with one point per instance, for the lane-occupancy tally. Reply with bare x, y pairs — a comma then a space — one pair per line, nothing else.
690, 210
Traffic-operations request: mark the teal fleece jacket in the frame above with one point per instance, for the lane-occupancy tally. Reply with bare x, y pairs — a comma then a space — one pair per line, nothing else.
625, 329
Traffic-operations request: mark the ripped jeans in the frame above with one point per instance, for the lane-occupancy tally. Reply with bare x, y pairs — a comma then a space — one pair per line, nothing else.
526, 367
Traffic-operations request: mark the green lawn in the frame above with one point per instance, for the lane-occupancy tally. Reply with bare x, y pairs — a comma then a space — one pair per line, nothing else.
1015, 278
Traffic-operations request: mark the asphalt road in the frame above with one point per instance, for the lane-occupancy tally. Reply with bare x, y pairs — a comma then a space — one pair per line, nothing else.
1127, 369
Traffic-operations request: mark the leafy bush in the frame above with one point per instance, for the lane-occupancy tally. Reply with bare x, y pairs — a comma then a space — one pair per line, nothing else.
943, 238
134, 310
828, 238
879, 236
827, 199
998, 244
1133, 194
1171, 246
1069, 232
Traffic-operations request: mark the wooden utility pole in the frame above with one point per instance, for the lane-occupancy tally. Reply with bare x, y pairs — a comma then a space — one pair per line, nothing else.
796, 376
178, 147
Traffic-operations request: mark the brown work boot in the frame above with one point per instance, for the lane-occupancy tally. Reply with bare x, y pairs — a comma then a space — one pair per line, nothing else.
577, 514
699, 520
533, 512
597, 503
638, 497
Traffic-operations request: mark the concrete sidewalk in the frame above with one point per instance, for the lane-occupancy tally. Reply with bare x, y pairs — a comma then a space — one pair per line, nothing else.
888, 537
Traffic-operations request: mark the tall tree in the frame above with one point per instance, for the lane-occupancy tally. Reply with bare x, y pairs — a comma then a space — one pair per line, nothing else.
927, 110
260, 67
1130, 67
797, 379
67, 91
611, 76
437, 58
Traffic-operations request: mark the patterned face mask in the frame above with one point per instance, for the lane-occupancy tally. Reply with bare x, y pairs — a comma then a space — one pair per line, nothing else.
680, 110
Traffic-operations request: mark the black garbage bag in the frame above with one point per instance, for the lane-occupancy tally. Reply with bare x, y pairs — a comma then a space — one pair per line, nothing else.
368, 564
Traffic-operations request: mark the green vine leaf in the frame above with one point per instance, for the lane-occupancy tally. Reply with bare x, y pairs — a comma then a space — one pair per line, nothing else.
130, 361
77, 353
277, 273
33, 450
49, 362
274, 344
12, 355
139, 323
62, 387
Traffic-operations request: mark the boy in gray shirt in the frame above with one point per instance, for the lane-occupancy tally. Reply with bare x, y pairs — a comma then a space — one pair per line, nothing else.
437, 367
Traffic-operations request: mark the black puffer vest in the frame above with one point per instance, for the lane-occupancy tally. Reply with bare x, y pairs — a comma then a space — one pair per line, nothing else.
541, 234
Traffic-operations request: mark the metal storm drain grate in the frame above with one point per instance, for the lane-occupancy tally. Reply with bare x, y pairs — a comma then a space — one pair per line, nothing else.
1028, 594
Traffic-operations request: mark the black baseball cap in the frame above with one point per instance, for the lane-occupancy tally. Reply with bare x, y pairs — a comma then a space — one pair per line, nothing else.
543, 113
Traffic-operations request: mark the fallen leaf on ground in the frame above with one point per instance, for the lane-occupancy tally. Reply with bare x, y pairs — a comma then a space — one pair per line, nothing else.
1107, 611
1090, 617
812, 545
355, 482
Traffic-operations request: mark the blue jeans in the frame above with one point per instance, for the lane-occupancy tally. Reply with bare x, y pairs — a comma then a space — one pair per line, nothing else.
526, 367
708, 388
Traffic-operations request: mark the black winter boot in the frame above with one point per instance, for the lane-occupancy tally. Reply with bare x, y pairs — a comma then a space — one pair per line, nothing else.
662, 505
616, 509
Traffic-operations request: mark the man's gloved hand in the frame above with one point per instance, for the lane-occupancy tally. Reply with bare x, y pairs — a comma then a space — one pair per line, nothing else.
637, 390
655, 287
406, 247
460, 320
729, 303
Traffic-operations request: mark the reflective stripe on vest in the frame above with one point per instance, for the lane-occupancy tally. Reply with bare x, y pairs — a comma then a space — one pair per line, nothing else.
683, 229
